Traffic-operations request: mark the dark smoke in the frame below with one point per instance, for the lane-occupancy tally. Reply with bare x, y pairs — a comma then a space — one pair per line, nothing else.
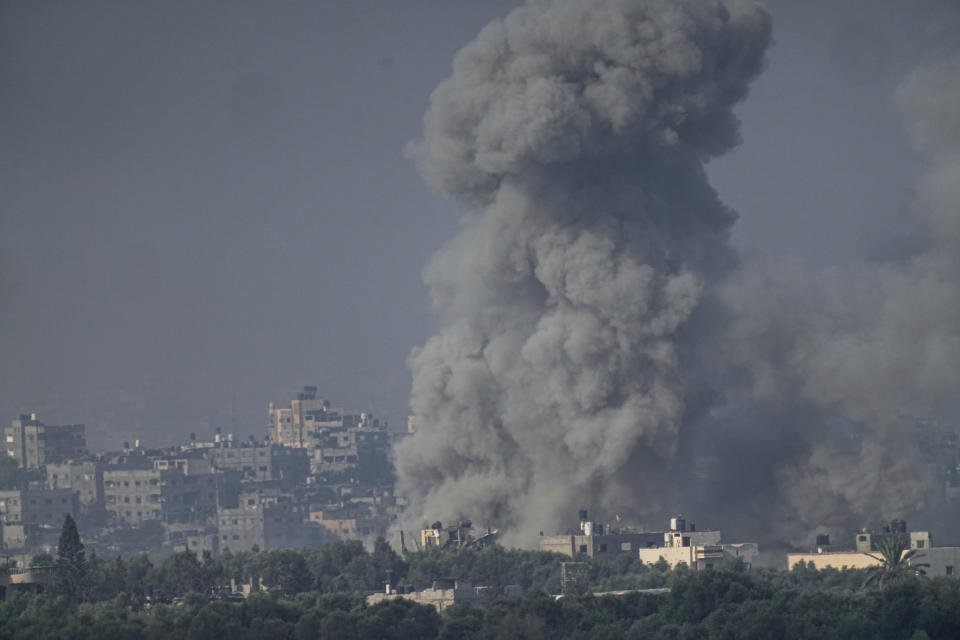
575, 134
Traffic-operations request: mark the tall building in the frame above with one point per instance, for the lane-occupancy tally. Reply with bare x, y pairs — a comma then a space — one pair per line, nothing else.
304, 422
289, 425
34, 444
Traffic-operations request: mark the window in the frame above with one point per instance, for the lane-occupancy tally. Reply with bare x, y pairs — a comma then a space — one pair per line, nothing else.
919, 544
624, 546
686, 541
603, 548
949, 569
583, 548
861, 538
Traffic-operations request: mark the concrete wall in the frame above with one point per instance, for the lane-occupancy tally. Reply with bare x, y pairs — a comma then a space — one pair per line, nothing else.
672, 555
943, 561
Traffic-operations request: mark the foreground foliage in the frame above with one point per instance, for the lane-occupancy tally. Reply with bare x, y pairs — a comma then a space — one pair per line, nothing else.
719, 604
319, 593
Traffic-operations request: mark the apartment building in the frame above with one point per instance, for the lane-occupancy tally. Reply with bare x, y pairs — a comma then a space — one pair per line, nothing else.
34, 444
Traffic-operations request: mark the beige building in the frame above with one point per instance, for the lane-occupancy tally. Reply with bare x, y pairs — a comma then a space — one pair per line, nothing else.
866, 553
293, 426
697, 549
834, 559
336, 440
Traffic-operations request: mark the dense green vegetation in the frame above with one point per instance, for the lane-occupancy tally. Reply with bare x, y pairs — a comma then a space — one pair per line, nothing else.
319, 593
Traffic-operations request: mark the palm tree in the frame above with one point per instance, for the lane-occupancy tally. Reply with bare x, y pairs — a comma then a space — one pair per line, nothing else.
896, 561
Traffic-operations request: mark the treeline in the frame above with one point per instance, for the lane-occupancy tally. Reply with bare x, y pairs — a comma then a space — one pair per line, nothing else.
348, 566
721, 604
342, 567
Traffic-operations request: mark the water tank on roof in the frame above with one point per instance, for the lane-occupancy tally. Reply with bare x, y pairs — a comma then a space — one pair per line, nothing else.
898, 526
587, 528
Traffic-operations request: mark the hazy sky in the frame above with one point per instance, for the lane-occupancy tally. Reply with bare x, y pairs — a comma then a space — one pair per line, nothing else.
208, 204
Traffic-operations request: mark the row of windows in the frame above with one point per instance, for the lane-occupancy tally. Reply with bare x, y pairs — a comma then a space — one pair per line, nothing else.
141, 514
116, 483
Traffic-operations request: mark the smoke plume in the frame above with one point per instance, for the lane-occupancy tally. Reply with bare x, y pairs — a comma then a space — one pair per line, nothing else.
574, 135
842, 362
602, 345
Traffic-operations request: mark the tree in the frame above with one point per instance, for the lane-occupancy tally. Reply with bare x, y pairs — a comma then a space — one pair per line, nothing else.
896, 562
287, 571
71, 561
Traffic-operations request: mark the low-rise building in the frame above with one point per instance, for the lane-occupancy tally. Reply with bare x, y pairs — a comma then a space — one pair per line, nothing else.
866, 550
699, 550
598, 540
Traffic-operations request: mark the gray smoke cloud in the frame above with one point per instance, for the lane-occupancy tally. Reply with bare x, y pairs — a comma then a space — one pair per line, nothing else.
574, 134
601, 344
842, 362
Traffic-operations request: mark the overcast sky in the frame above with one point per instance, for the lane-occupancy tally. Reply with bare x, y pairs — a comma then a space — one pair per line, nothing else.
207, 205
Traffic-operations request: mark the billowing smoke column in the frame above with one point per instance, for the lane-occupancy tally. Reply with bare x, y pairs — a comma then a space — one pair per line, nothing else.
574, 133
